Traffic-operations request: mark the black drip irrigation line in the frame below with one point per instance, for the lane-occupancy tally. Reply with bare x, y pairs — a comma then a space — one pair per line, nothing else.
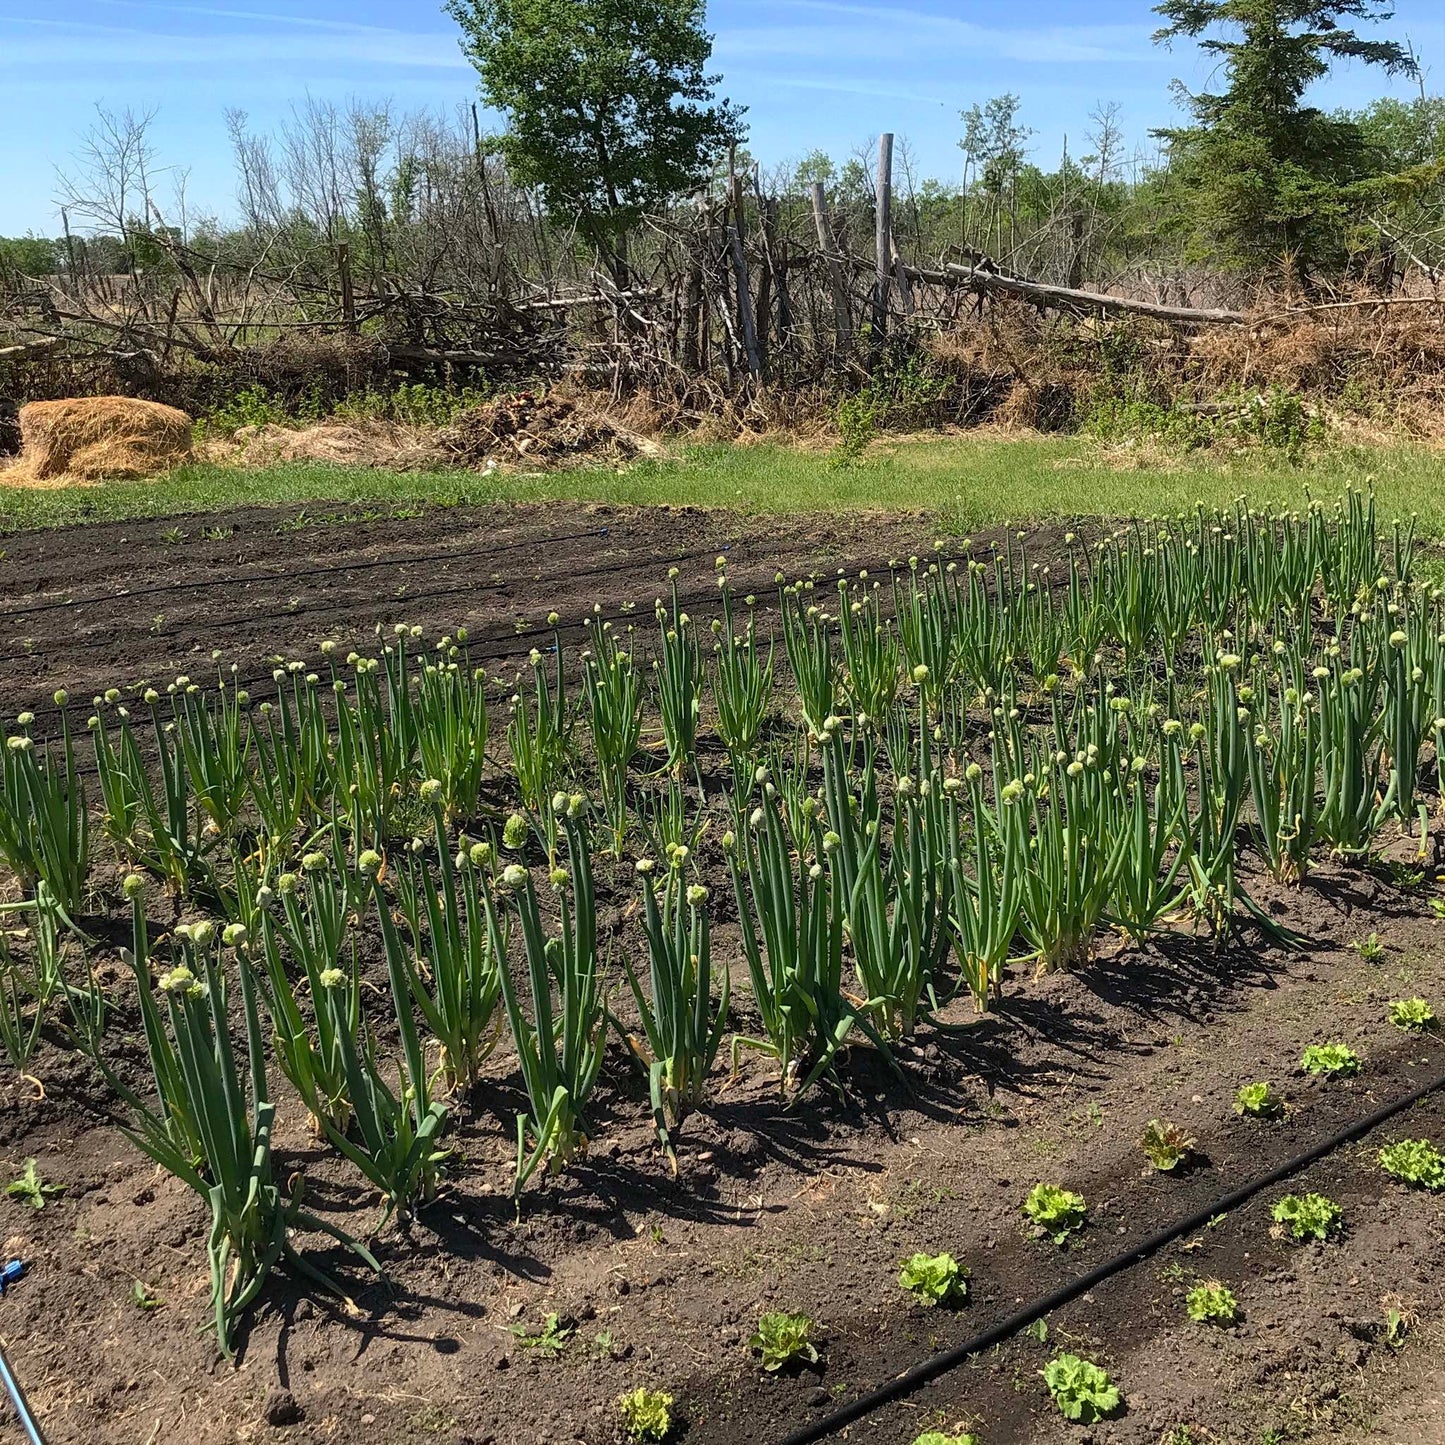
940, 1364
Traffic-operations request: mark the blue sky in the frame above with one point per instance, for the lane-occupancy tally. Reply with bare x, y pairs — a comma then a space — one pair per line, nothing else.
825, 74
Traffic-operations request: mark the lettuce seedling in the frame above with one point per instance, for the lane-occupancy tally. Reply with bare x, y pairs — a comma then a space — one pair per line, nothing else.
646, 1414
1415, 1161
783, 1339
1412, 1014
1081, 1390
1257, 1101
1055, 1211
1308, 1216
1212, 1303
937, 1437
1167, 1145
1327, 1060
32, 1188
935, 1279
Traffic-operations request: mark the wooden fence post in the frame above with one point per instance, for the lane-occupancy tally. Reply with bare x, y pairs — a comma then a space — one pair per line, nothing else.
884, 237
348, 295
746, 321
842, 317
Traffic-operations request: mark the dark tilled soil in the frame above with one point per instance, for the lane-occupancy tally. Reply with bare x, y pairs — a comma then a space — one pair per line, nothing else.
662, 1279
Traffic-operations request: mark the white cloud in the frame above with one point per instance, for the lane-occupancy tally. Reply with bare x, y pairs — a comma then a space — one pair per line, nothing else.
862, 31
72, 45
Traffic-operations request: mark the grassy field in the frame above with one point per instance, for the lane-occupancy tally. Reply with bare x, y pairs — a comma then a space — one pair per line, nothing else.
968, 481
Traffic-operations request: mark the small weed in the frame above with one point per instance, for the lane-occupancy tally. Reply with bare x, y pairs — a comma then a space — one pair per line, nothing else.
158, 622
143, 1297
172, 537
1400, 1319
551, 1339
31, 1188
1371, 949
1039, 1331
1400, 875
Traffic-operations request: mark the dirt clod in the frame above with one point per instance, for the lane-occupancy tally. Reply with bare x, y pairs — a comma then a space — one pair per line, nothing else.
281, 1409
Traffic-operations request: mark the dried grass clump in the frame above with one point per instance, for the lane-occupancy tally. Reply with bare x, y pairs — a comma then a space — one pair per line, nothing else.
363, 443
86, 439
539, 430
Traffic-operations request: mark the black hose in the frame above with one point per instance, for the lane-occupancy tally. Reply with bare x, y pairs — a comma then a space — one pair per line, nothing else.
939, 1364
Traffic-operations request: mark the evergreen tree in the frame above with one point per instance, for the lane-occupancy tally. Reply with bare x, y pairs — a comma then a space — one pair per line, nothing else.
1263, 178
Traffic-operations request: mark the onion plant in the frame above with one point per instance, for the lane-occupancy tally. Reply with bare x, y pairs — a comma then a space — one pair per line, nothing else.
894, 908
679, 682
159, 830
613, 689
872, 657
985, 891
458, 949
742, 686
215, 745
559, 1046
452, 723
1074, 856
44, 824
392, 1133
305, 924
227, 1156
809, 646
1282, 739
792, 936
681, 1023
539, 737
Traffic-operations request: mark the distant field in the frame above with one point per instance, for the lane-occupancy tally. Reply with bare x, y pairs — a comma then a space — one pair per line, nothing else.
969, 481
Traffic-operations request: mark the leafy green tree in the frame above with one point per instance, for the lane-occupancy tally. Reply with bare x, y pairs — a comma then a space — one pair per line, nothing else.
610, 109
1262, 176
28, 256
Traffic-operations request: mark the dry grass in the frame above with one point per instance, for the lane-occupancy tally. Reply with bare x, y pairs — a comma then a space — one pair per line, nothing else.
89, 439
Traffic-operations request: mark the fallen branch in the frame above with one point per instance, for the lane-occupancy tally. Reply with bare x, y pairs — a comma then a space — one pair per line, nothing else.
31, 348
989, 283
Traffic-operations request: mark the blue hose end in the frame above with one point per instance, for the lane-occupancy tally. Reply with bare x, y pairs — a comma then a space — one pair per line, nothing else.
11, 1273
